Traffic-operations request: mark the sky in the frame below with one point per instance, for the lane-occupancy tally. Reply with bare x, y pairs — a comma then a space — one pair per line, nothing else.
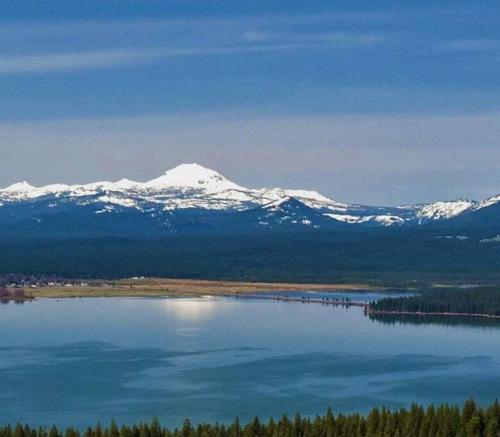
386, 102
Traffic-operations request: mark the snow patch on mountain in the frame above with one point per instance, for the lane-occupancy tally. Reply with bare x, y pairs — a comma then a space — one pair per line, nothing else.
126, 203
20, 187
488, 202
193, 176
347, 218
126, 184
491, 240
25, 191
444, 210
313, 199
277, 204
387, 220
384, 220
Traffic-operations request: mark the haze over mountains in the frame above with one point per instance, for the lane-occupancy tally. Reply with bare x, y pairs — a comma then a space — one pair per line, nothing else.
192, 198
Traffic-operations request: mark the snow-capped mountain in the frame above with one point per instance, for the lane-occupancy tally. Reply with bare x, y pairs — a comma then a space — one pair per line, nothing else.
190, 196
192, 176
187, 186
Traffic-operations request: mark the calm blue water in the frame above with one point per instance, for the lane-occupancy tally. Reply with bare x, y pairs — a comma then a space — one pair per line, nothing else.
78, 361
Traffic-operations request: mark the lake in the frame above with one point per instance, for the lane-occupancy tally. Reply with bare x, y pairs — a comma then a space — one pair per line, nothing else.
79, 361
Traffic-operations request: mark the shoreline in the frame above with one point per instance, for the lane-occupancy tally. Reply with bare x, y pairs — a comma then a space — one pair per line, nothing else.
158, 287
366, 307
427, 314
307, 300
185, 288
17, 299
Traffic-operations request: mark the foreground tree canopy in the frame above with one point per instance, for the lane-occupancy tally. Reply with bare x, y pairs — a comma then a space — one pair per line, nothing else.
442, 421
484, 300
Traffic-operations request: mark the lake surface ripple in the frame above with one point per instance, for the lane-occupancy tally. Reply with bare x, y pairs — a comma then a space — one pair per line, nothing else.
79, 361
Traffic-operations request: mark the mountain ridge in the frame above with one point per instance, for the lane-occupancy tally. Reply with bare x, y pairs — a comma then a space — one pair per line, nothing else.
196, 193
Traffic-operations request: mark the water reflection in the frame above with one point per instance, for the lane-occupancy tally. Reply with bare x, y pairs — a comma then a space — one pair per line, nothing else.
362, 296
14, 301
79, 361
410, 319
192, 309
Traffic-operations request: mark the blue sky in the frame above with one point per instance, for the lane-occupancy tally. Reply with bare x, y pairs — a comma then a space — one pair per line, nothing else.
374, 102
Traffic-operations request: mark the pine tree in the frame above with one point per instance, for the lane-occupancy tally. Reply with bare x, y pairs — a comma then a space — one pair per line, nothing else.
155, 428
474, 427
492, 427
186, 428
98, 430
373, 423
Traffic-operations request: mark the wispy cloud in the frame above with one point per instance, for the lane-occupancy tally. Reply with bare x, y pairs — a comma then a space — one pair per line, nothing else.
71, 61
98, 59
470, 45
332, 39
25, 31
43, 47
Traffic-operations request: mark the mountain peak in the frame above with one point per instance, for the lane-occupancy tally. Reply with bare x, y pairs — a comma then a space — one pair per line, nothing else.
126, 184
20, 187
444, 209
489, 202
193, 176
278, 203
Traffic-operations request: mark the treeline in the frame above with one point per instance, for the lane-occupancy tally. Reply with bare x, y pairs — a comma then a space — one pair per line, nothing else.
483, 300
443, 421
387, 257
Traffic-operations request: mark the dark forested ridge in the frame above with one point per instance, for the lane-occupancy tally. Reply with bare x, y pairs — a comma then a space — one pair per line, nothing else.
483, 300
386, 255
442, 421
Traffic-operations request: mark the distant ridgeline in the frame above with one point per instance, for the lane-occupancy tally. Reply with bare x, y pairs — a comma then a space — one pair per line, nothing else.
477, 301
433, 421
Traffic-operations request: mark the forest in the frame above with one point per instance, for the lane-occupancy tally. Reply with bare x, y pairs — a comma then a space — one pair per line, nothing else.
441, 421
387, 257
482, 300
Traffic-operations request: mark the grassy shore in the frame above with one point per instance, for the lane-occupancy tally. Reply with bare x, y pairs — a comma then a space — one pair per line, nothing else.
182, 288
